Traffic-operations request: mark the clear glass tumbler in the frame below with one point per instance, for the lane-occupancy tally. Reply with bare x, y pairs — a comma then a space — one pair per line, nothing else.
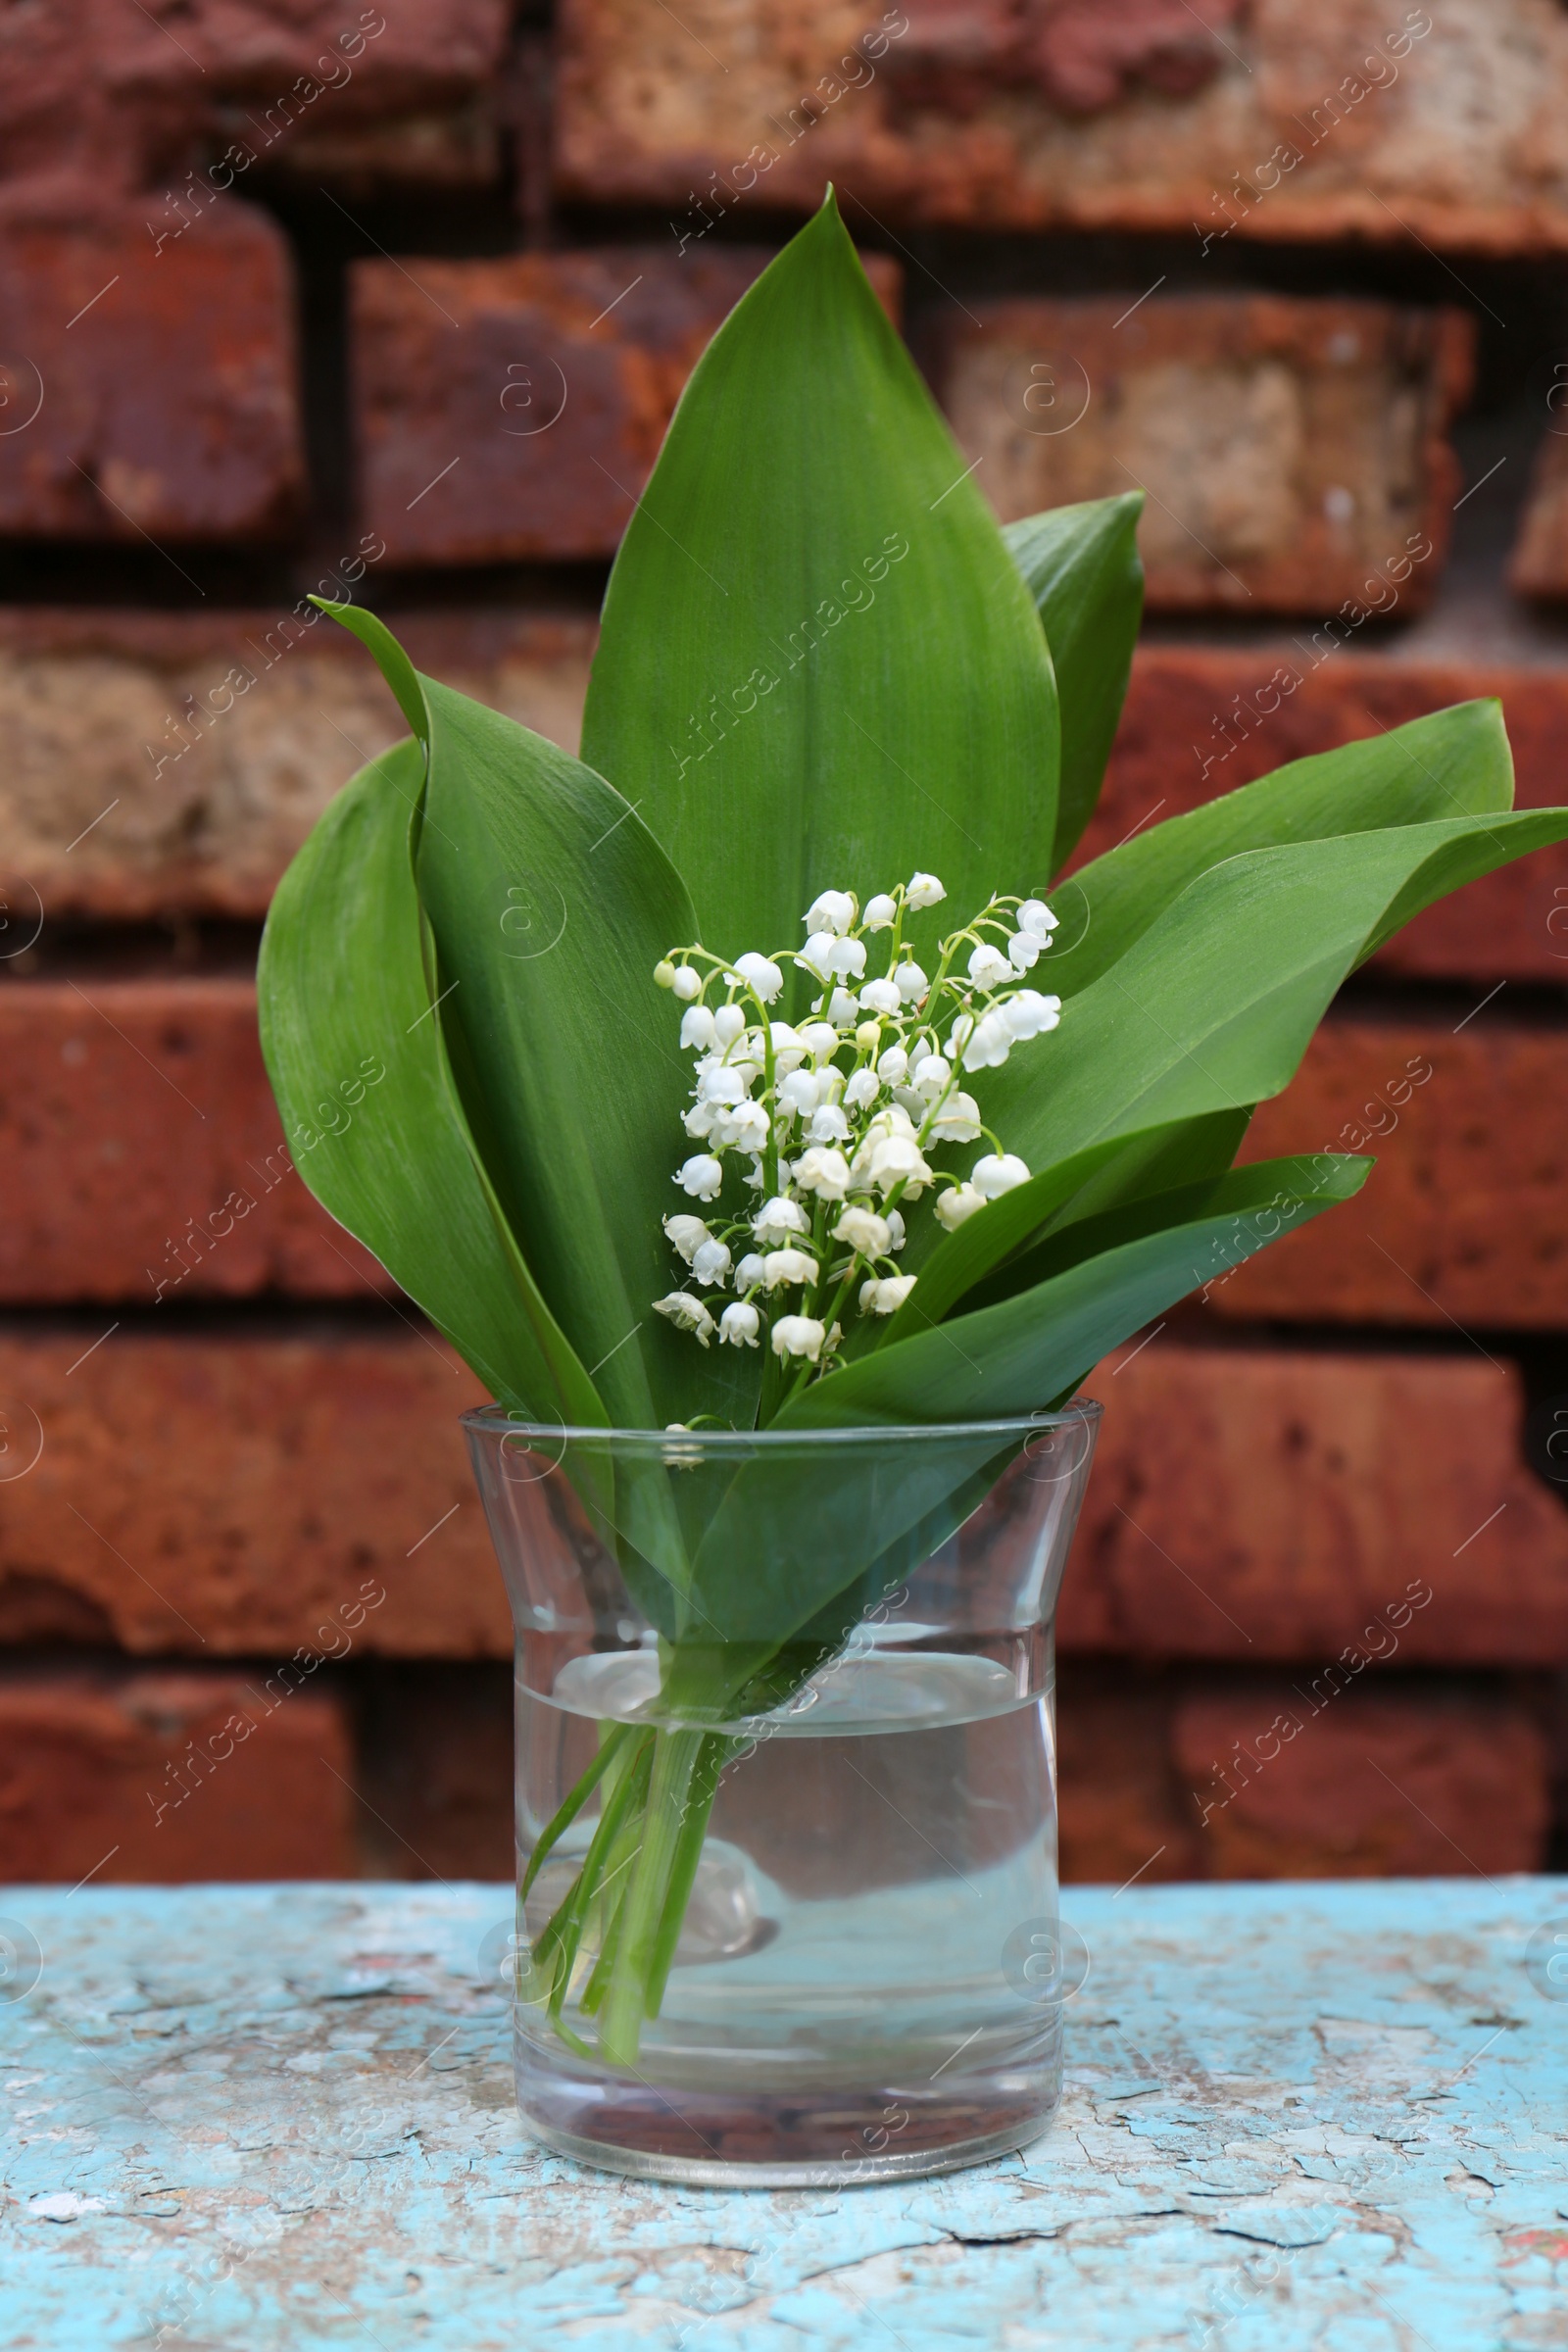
786, 1790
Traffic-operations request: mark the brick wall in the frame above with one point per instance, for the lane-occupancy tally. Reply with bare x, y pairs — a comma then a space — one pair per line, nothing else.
400, 299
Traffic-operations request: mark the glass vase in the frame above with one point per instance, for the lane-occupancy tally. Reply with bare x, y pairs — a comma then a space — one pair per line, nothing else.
786, 1790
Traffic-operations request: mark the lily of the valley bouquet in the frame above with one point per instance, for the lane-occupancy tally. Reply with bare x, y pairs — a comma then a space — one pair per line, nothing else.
757, 1070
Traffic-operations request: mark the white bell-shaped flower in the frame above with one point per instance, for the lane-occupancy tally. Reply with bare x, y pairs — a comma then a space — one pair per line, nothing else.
996, 1174
1030, 1014
958, 1122
840, 1006
777, 1219
881, 996
1024, 951
823, 1170
783, 1267
749, 1127
702, 1176
762, 974
881, 912
847, 959
930, 1076
799, 1335
686, 1313
711, 1262
924, 891
829, 1125
696, 1027
831, 911
861, 1091
864, 1231
686, 1234
896, 1161
989, 967
895, 1230
893, 1066
739, 1325
686, 984
988, 1042
954, 1207
817, 953
798, 1092
699, 1124
788, 1048
720, 1082
1035, 916
729, 1021
821, 1040
751, 1272
886, 1294
910, 982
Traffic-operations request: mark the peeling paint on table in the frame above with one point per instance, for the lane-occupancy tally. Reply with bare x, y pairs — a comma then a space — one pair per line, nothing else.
1296, 2116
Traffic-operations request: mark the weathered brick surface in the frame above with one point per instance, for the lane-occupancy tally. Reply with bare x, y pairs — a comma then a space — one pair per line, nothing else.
168, 764
1539, 561
141, 1158
1292, 118
169, 1776
1358, 1783
234, 1497
1199, 721
1393, 1779
199, 752
514, 408
160, 385
1294, 453
1246, 1505
98, 100
1461, 1222
1253, 1503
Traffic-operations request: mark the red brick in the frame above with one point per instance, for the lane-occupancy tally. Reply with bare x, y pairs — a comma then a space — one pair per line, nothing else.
1189, 706
1539, 562
435, 1765
92, 702
1461, 1221
1370, 1783
514, 408
1255, 1504
162, 384
229, 1495
97, 100
1399, 1778
1289, 449
169, 1777
1030, 117
134, 1117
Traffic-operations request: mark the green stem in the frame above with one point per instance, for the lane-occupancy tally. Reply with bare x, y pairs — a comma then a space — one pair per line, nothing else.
675, 1754
714, 1753
572, 1803
556, 1948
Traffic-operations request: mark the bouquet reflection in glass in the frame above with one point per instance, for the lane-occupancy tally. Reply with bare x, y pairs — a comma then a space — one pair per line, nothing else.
786, 1787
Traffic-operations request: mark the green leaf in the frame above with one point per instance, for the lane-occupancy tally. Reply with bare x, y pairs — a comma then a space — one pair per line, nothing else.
818, 665
1453, 763
1085, 574
551, 904
343, 992
1214, 1003
1017, 1356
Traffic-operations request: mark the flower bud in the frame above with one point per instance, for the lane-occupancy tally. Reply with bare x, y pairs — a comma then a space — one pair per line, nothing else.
663, 973
992, 1176
686, 984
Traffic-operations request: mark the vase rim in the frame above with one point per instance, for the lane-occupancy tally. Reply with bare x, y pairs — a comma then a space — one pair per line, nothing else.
488, 1419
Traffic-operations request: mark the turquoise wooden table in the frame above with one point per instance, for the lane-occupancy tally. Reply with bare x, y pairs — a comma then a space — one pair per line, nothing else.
1312, 2116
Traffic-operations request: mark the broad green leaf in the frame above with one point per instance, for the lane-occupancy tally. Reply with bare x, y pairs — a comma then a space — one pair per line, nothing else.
819, 664
1454, 764
1083, 573
1213, 1006
1019, 1355
1091, 1182
343, 993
